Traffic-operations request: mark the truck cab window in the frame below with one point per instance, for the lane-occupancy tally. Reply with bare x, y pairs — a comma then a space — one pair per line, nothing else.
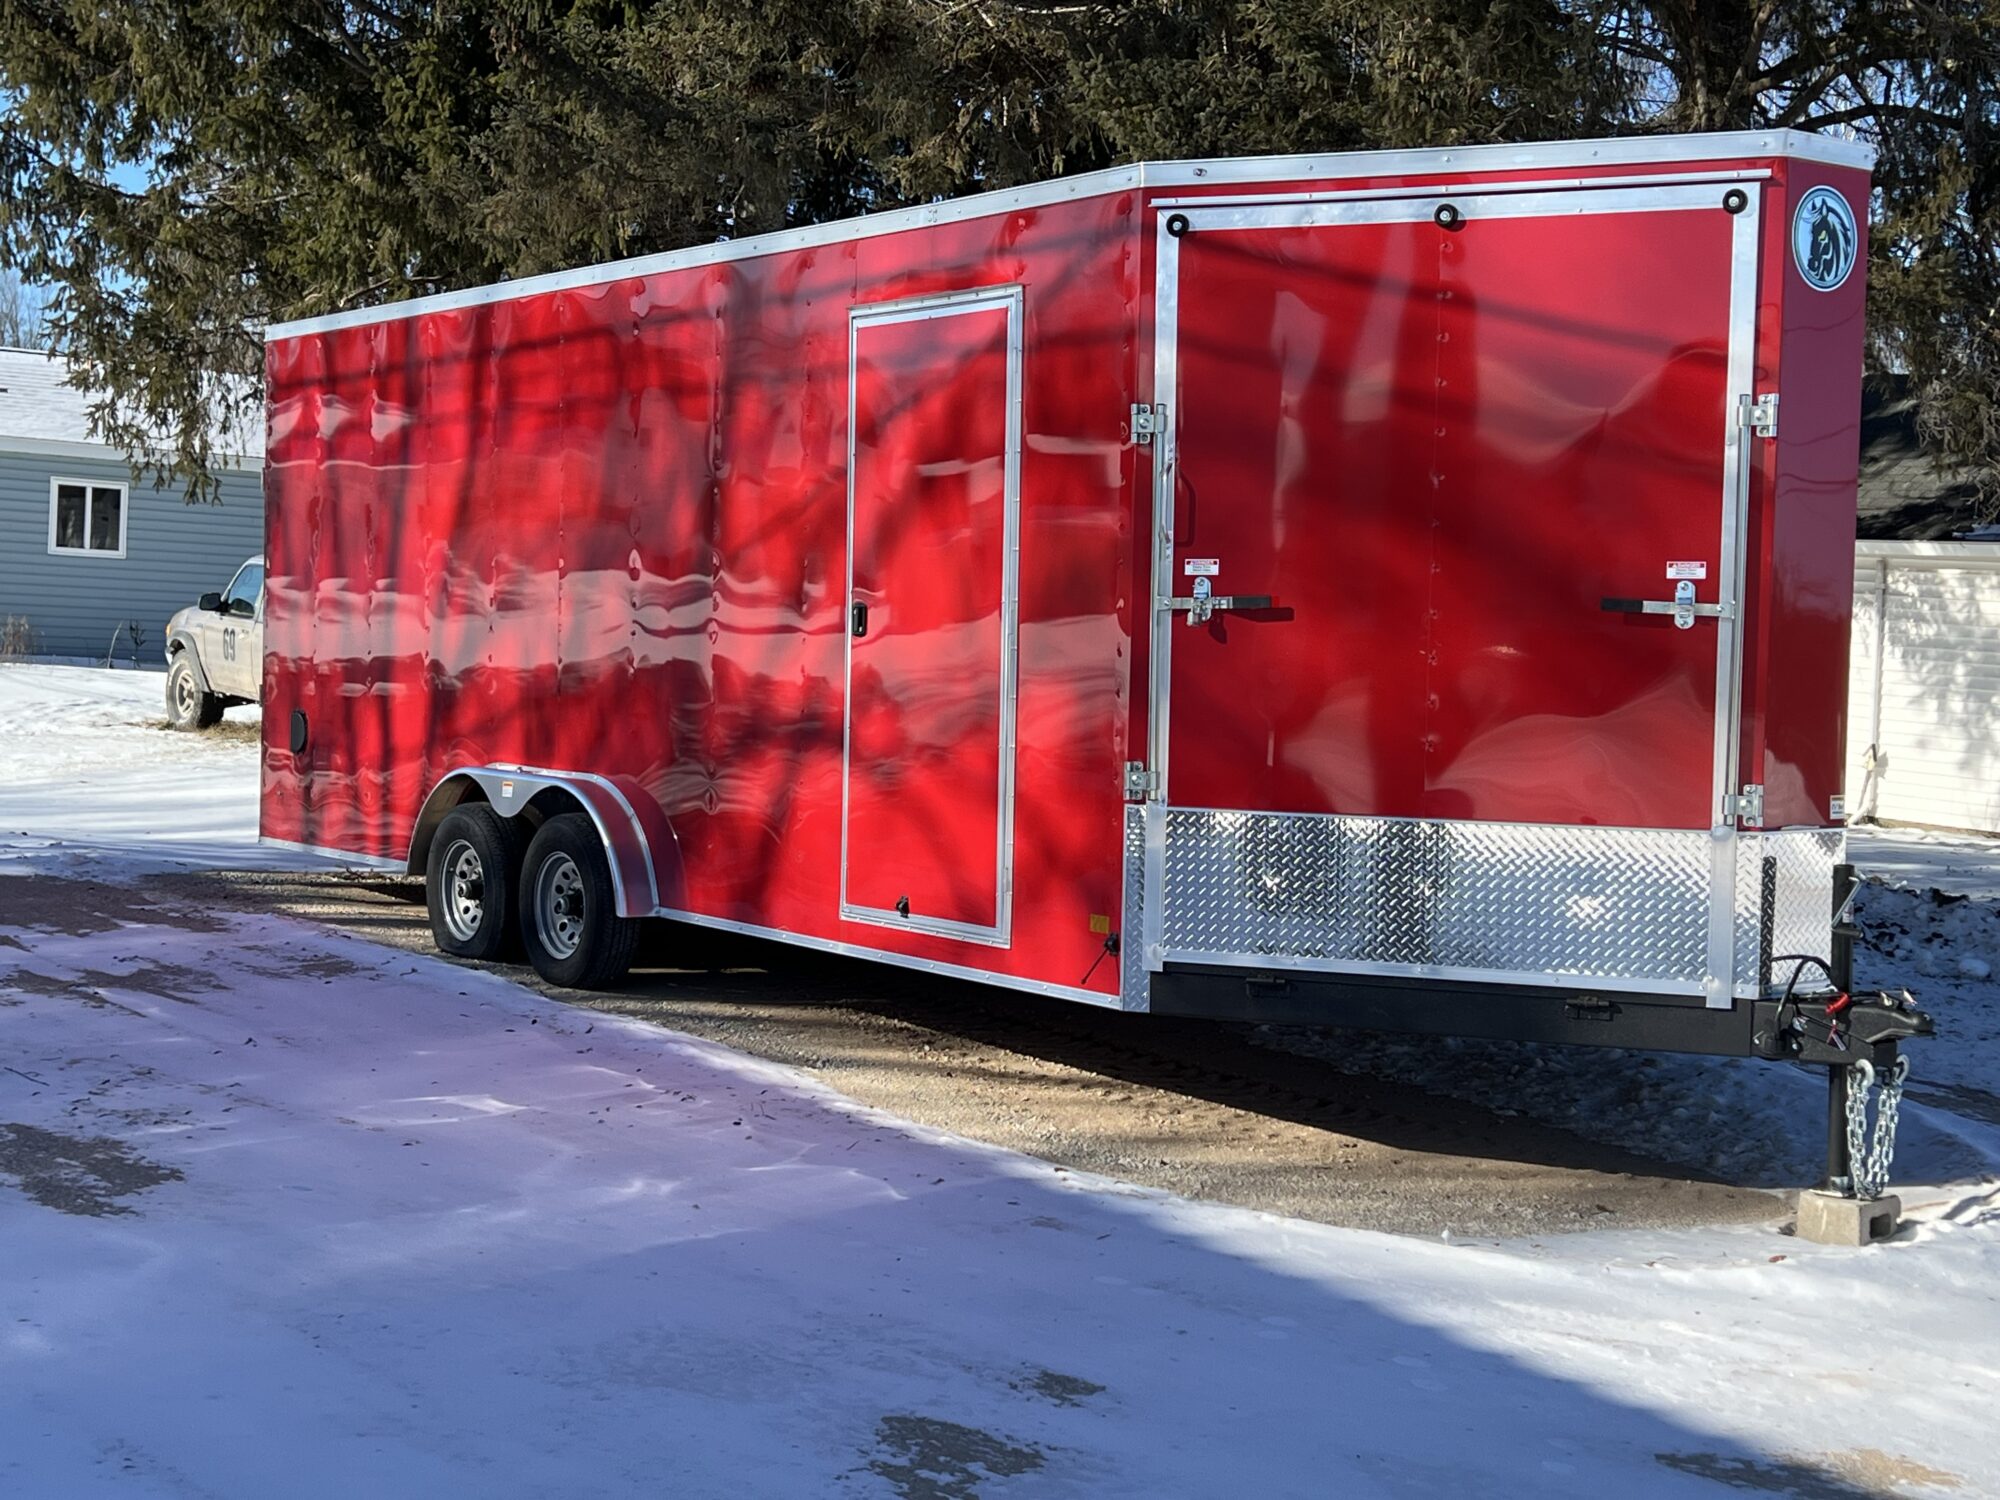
245, 591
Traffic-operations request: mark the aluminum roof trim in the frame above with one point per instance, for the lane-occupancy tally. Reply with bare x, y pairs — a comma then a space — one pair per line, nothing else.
1541, 155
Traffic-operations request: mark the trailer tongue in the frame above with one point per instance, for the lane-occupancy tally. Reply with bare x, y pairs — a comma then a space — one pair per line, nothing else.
1403, 590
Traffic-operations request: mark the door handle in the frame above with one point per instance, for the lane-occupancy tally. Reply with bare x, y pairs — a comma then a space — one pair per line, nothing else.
1682, 606
857, 619
1199, 607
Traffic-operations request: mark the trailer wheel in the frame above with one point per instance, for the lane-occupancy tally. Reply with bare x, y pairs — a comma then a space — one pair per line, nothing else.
190, 705
469, 880
569, 911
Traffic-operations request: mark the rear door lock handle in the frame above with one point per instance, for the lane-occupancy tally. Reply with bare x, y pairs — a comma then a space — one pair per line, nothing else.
1682, 606
857, 619
1201, 607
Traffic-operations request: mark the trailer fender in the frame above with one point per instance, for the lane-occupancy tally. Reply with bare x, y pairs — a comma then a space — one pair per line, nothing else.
638, 840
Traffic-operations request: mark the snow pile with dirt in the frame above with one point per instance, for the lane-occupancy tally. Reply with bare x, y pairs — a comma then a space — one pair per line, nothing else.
1945, 945
282, 1212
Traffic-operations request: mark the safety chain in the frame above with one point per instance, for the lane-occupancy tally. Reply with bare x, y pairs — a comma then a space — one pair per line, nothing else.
1869, 1154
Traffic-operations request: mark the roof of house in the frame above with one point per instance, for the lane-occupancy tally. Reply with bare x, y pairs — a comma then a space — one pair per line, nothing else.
1904, 495
40, 413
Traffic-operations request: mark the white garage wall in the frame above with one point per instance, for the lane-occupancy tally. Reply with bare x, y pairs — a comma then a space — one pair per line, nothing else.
1924, 687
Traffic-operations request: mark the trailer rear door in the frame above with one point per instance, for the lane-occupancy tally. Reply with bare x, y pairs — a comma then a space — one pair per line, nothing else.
933, 500
1461, 444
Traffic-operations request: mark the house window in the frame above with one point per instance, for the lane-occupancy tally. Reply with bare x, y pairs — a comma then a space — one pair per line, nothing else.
86, 520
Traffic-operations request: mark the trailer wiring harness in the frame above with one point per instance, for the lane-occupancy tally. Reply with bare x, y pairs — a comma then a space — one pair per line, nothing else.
1801, 1022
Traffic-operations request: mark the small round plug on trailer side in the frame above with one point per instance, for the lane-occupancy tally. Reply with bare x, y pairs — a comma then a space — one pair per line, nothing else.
469, 882
569, 907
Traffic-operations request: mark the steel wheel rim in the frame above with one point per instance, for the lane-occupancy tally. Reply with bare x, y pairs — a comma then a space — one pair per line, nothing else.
464, 900
559, 905
184, 693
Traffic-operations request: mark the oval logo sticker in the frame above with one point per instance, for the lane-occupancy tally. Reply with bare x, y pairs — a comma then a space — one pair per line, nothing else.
1824, 238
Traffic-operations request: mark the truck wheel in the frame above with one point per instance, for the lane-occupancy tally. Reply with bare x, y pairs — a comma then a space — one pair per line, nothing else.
569, 912
190, 705
469, 879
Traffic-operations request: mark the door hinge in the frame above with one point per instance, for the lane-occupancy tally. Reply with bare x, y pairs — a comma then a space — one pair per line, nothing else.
1760, 414
1140, 783
1748, 805
1147, 419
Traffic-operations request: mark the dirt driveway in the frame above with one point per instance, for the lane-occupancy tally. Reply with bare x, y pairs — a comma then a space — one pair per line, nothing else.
1192, 1107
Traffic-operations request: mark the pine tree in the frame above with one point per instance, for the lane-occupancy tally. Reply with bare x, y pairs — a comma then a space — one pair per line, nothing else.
298, 158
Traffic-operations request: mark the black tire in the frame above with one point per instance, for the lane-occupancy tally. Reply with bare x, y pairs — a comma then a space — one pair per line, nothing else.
190, 705
469, 881
569, 911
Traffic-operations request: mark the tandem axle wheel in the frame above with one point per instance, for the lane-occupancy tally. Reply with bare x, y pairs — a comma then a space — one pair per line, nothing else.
499, 889
569, 907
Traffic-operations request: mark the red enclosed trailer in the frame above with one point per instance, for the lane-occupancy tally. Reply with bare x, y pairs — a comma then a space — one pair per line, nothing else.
1403, 588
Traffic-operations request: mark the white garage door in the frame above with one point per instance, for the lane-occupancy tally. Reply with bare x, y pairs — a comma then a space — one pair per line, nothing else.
1923, 730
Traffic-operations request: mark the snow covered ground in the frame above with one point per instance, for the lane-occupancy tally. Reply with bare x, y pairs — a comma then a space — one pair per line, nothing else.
286, 1213
89, 770
303, 1216
1916, 859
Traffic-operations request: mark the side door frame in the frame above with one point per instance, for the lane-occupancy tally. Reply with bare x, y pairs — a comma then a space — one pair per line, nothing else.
1010, 298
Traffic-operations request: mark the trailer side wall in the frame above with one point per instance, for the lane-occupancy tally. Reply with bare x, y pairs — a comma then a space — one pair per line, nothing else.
605, 529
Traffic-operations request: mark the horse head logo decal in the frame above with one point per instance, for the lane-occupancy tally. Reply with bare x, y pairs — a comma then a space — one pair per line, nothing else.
1824, 238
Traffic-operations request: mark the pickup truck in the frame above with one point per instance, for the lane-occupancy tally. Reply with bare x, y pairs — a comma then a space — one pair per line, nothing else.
215, 651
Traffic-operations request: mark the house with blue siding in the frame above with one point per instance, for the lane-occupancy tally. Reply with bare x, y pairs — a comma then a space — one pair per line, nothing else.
93, 559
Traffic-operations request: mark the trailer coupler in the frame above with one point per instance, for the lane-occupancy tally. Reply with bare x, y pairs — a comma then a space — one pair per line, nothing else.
1841, 1031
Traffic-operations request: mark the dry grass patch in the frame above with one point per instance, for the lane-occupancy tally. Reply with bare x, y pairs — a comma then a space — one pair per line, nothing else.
228, 732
